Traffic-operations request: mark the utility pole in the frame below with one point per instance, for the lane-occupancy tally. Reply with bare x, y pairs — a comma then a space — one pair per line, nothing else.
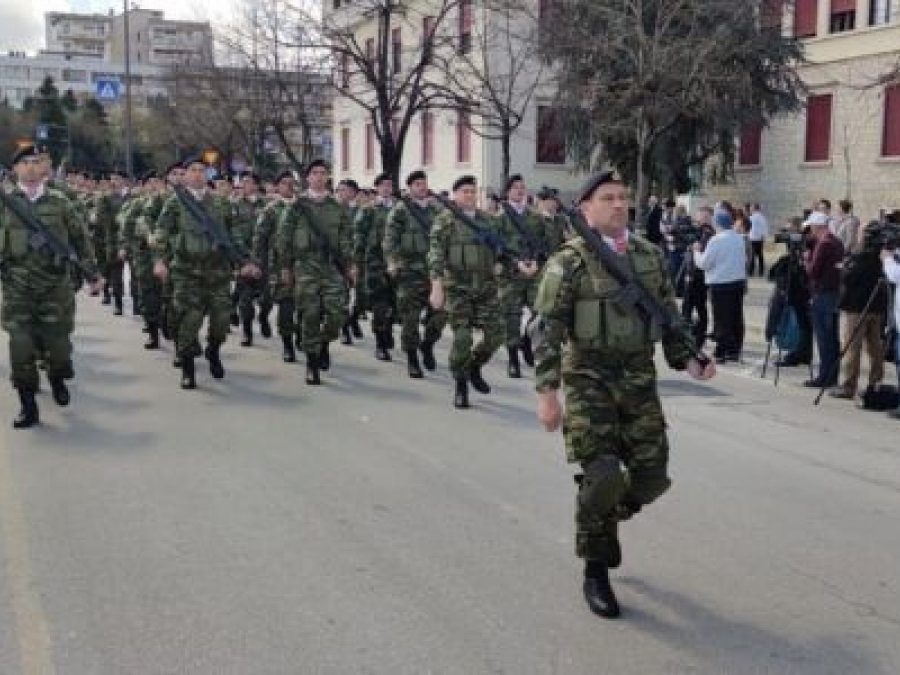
129, 169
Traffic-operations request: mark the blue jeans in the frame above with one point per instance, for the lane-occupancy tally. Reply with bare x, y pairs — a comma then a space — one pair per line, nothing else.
824, 309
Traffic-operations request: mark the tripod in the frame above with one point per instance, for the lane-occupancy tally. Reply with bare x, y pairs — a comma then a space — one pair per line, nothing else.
786, 293
882, 282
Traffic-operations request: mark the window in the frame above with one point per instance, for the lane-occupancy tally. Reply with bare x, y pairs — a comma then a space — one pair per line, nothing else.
551, 144
427, 138
463, 137
396, 49
806, 16
465, 26
345, 149
890, 146
879, 12
370, 147
750, 145
843, 16
818, 128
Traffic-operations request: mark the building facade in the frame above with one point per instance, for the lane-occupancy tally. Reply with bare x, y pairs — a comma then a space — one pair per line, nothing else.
845, 143
446, 143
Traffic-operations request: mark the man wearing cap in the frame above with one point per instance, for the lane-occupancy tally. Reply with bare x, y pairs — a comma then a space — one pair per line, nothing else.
314, 247
518, 286
407, 237
201, 273
823, 270
368, 256
348, 195
108, 224
464, 273
250, 291
724, 264
265, 252
38, 300
601, 352
557, 228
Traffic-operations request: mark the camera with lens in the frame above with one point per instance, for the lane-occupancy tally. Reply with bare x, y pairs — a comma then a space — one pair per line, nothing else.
791, 239
685, 234
882, 234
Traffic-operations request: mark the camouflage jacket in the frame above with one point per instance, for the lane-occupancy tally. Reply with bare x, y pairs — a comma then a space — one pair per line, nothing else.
179, 239
298, 246
406, 240
457, 257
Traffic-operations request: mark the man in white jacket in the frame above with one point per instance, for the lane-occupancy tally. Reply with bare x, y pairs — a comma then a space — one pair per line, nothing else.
891, 261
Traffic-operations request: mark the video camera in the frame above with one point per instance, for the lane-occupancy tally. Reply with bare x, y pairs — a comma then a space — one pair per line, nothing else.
883, 234
685, 234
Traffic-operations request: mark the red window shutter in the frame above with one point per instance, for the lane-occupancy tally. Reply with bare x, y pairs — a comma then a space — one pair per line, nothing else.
818, 128
465, 16
427, 138
806, 17
841, 6
345, 149
891, 144
751, 144
370, 147
551, 145
463, 137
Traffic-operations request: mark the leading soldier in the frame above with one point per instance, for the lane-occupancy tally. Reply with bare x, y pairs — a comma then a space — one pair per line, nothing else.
614, 426
38, 298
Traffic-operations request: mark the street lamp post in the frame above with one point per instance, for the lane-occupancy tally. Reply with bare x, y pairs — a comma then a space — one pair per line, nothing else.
128, 158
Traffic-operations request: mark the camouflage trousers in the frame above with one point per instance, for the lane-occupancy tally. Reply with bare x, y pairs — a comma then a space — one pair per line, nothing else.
413, 290
321, 301
514, 295
468, 309
200, 291
380, 297
614, 427
249, 293
146, 288
283, 298
115, 280
39, 325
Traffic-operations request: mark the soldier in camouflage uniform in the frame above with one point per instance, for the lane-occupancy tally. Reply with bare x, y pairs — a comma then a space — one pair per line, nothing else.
407, 237
250, 291
517, 288
108, 223
375, 284
201, 273
614, 426
264, 251
556, 225
347, 194
464, 273
314, 251
38, 299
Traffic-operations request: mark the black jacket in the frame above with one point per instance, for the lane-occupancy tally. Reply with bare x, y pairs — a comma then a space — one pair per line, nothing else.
861, 273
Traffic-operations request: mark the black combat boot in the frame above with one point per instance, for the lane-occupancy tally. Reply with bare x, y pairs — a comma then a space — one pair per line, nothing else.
324, 357
216, 369
152, 336
346, 338
527, 352
235, 319
177, 362
29, 415
477, 381
265, 328
412, 365
428, 361
119, 306
513, 369
247, 326
355, 328
136, 309
388, 337
188, 378
598, 591
288, 355
312, 369
107, 298
60, 391
381, 348
461, 397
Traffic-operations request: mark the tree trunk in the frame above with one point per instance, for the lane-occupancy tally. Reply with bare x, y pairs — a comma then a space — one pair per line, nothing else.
505, 143
640, 189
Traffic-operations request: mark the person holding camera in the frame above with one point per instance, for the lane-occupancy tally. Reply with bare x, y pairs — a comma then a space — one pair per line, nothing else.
891, 266
789, 276
695, 289
824, 275
863, 303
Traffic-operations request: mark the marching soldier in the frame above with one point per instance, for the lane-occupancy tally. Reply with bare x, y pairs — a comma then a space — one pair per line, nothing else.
38, 305
248, 290
108, 225
407, 238
464, 265
556, 227
375, 284
314, 251
348, 194
201, 268
614, 426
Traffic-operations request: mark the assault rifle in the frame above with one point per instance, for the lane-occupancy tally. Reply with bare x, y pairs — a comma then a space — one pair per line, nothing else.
219, 239
337, 259
534, 250
416, 212
632, 294
483, 235
42, 239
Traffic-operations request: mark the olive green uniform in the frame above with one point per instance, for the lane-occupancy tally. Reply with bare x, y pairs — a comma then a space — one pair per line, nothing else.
601, 353
374, 285
109, 223
250, 291
265, 253
138, 237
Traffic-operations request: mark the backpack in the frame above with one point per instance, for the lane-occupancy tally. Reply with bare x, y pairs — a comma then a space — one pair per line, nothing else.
881, 397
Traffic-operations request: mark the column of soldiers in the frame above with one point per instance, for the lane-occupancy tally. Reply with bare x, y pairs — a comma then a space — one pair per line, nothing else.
418, 260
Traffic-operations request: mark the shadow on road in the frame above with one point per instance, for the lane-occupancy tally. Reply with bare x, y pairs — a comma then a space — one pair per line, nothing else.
688, 388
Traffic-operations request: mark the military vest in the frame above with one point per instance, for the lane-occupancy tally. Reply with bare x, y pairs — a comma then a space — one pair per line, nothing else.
14, 234
600, 321
414, 241
190, 239
466, 255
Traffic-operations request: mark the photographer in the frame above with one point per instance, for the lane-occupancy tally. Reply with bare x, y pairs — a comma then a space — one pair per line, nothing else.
823, 271
891, 267
695, 280
863, 304
792, 289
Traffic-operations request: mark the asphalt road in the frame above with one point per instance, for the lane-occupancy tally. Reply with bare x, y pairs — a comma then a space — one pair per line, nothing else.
261, 526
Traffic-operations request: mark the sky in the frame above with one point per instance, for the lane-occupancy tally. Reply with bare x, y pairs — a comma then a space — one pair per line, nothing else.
22, 21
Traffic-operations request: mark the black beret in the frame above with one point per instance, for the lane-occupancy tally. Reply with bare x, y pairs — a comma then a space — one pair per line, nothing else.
548, 193
253, 176
462, 181
211, 185
515, 178
591, 184
172, 167
316, 163
350, 183
414, 176
150, 175
284, 174
380, 178
30, 150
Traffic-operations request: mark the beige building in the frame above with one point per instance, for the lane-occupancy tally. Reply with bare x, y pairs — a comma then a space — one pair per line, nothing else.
846, 141
445, 143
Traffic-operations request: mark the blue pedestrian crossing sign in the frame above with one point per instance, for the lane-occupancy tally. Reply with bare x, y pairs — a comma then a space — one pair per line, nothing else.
108, 89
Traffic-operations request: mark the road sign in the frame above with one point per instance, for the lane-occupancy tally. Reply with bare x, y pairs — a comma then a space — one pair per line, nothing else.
108, 89
42, 133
